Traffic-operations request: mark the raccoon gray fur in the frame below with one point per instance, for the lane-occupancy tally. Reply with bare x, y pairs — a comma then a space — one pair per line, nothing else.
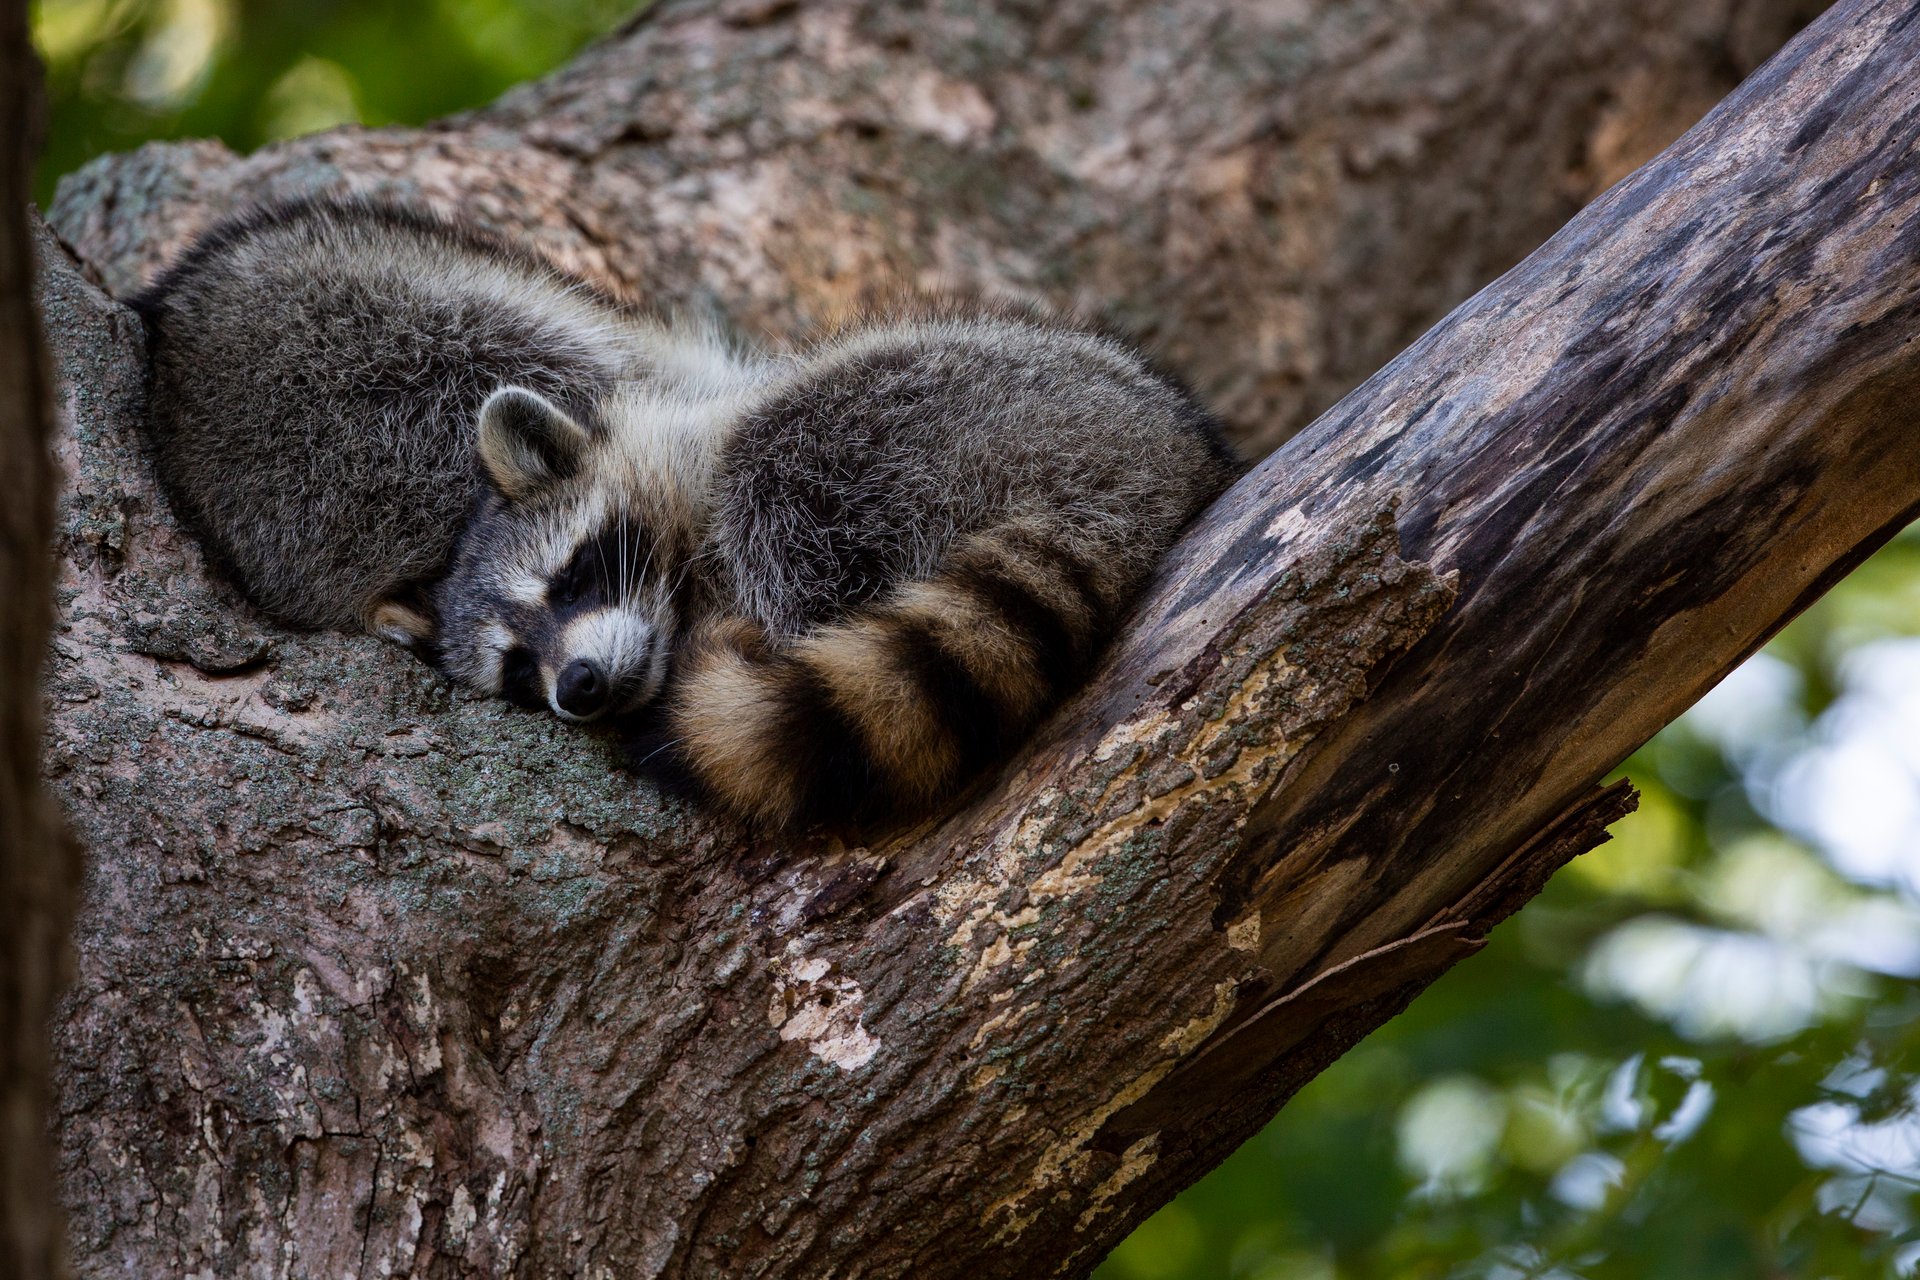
869, 570
317, 370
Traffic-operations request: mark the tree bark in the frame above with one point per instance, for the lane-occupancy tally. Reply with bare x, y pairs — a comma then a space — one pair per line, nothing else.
377, 979
39, 874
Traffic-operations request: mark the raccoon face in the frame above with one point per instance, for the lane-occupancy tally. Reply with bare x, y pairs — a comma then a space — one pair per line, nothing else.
560, 590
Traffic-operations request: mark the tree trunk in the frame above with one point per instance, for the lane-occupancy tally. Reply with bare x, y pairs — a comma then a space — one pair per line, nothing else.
379, 980
38, 871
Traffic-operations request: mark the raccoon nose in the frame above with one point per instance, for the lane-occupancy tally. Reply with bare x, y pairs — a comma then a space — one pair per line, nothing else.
582, 688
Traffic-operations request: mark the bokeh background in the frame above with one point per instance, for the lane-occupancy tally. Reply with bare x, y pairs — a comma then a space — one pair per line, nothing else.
1692, 1058
122, 72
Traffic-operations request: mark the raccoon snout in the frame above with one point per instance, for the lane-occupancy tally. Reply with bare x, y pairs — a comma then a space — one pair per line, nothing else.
583, 688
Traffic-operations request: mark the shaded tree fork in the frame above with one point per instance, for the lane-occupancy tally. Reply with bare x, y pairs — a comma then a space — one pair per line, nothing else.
374, 980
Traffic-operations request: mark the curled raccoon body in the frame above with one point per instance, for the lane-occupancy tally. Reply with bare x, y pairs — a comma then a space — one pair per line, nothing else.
317, 369
869, 570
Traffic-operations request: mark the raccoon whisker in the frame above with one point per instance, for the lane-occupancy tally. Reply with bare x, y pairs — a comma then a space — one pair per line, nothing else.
668, 745
626, 582
605, 585
648, 565
680, 578
610, 575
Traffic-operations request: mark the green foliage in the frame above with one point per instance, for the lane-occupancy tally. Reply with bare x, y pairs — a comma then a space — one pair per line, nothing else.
122, 72
1693, 1058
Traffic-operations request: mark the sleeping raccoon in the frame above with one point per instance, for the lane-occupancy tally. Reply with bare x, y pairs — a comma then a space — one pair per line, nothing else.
317, 367
869, 570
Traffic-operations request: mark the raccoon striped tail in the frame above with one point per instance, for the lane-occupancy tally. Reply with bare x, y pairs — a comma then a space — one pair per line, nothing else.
883, 713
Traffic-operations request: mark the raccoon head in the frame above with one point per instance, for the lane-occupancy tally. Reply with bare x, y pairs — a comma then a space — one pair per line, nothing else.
560, 591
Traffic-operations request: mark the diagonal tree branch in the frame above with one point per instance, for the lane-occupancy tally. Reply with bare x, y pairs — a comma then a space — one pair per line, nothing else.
424, 984
1638, 455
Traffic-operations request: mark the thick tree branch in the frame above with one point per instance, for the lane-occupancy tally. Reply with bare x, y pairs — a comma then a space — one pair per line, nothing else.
1640, 453
425, 984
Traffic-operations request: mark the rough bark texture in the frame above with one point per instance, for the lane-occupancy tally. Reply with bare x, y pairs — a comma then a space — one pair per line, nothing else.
377, 980
38, 872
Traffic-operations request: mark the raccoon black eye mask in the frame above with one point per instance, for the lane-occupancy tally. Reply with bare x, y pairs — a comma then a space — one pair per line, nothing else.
841, 583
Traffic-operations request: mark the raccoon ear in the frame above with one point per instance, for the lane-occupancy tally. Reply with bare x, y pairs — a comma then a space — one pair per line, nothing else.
527, 442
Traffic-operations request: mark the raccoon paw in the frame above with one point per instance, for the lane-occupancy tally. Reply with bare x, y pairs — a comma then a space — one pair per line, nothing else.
407, 622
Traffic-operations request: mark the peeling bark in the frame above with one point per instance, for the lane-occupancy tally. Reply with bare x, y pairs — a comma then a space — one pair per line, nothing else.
376, 978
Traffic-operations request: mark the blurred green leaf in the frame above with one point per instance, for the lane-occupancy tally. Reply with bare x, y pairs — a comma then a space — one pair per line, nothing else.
249, 72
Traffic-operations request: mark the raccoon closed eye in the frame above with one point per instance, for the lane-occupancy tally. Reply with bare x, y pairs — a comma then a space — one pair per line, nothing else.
608, 565
569, 584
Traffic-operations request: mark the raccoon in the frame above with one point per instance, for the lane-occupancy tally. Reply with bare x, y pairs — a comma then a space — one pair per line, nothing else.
844, 581
317, 367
